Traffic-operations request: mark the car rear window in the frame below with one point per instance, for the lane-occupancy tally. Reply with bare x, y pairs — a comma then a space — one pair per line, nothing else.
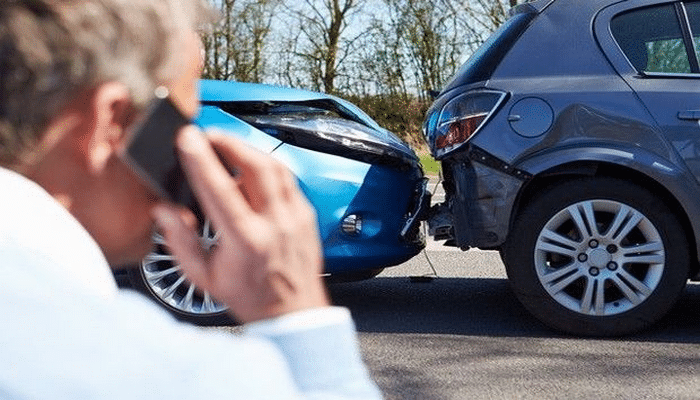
653, 40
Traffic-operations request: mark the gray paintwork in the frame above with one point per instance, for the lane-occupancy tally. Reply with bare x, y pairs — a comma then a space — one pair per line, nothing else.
604, 111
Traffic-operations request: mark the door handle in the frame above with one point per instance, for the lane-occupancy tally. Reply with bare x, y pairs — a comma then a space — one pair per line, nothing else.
689, 115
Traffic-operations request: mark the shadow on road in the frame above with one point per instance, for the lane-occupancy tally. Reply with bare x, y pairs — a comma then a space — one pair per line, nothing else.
473, 306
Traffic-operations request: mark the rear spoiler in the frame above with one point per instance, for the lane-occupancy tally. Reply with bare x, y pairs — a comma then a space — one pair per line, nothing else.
532, 7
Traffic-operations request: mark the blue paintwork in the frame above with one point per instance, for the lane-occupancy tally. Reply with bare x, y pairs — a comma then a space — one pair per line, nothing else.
334, 185
242, 91
211, 90
229, 91
211, 117
338, 186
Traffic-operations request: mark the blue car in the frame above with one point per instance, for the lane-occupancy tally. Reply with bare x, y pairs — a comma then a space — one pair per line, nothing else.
365, 183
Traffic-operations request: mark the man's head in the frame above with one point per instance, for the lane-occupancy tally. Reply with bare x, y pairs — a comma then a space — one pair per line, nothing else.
73, 75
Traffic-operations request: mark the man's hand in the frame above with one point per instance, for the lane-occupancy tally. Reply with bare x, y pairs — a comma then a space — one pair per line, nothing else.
268, 258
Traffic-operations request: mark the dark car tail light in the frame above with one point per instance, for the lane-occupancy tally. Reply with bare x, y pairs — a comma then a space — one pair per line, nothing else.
462, 117
459, 131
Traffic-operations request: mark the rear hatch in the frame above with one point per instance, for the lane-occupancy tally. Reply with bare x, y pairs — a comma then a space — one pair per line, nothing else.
480, 66
465, 105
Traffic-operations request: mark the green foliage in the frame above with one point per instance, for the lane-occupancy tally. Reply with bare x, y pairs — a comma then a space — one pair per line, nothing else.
402, 115
430, 165
667, 56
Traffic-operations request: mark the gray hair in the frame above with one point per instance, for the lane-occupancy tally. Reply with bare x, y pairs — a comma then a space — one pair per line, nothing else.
51, 49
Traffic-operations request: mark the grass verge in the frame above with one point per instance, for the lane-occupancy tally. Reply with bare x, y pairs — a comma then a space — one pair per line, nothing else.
430, 166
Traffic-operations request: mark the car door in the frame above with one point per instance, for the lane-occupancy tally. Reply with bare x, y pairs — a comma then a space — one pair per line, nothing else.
660, 42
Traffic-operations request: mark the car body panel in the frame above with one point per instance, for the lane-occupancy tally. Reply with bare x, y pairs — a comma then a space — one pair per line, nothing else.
225, 91
677, 180
604, 111
335, 186
338, 187
540, 48
588, 112
214, 118
481, 200
211, 90
665, 96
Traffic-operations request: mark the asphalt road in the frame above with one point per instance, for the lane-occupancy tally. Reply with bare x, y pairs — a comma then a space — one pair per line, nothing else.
464, 335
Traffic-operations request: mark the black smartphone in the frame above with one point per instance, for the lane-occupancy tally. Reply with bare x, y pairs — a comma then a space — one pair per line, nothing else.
150, 150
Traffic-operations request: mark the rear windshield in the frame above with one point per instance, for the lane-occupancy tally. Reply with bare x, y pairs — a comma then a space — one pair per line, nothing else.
486, 58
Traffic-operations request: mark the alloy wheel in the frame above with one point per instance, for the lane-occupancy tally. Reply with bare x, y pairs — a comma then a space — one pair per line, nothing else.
164, 277
599, 257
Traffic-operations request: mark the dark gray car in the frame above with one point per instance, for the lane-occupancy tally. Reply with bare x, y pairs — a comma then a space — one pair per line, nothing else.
570, 142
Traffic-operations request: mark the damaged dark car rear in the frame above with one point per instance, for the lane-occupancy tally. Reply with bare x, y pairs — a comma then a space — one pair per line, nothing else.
570, 143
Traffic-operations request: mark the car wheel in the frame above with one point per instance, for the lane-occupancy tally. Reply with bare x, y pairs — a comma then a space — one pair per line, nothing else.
160, 277
597, 256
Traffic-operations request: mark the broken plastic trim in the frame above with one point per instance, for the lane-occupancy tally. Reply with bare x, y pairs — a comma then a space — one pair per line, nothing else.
322, 127
418, 213
482, 157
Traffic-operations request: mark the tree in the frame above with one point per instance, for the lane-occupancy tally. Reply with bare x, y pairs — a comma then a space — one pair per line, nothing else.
432, 41
382, 62
217, 55
482, 17
325, 48
235, 47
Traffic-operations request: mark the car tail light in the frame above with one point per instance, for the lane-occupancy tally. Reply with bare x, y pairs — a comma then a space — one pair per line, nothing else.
458, 131
463, 116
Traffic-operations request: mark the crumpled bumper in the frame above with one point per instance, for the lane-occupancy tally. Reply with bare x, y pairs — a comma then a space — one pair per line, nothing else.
411, 232
480, 194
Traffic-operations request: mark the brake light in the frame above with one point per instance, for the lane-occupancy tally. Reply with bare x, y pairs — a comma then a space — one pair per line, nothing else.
459, 131
462, 117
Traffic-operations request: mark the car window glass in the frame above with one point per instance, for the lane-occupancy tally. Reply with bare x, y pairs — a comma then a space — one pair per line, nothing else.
693, 10
652, 39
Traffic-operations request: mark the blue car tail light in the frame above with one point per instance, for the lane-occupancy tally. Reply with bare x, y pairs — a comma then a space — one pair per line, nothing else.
450, 127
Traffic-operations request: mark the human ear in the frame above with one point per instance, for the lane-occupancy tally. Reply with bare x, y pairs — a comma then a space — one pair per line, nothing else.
112, 111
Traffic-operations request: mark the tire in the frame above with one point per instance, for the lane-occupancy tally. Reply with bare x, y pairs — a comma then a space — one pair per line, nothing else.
160, 278
616, 279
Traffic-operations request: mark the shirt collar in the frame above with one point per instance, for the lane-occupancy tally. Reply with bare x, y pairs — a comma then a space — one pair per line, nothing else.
40, 234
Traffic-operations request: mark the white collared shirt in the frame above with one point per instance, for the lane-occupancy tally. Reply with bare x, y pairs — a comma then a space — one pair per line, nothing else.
67, 332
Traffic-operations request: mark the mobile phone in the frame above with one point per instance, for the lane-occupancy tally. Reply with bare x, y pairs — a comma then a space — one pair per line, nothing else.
151, 154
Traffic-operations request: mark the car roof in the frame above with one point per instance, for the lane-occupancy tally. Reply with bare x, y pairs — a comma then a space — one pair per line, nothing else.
597, 5
536, 5
561, 41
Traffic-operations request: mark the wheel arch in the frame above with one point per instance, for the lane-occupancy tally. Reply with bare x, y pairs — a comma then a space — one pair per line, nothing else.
671, 184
